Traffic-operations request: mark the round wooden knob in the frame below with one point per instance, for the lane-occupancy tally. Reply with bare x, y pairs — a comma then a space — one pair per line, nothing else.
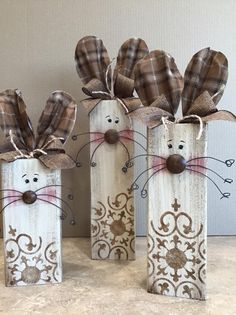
175, 163
29, 197
111, 136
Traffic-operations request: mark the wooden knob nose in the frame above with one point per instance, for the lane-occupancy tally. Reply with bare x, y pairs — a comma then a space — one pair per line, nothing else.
176, 163
29, 197
111, 136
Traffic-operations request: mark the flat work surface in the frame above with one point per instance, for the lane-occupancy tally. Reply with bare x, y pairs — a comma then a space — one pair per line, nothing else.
113, 287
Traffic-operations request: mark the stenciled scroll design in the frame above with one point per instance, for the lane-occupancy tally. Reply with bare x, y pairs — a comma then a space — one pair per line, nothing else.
176, 259
112, 228
30, 263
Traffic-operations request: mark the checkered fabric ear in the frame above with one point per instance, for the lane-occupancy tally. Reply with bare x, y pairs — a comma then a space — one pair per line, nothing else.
57, 119
156, 75
13, 117
206, 72
91, 59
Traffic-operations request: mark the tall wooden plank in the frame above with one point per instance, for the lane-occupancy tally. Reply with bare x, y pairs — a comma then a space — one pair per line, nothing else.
177, 214
31, 223
112, 205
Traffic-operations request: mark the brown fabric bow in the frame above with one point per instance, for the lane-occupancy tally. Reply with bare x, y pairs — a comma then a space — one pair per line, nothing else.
160, 87
94, 68
54, 127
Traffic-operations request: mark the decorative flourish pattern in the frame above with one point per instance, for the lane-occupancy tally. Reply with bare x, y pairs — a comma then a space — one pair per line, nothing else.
113, 228
176, 259
30, 263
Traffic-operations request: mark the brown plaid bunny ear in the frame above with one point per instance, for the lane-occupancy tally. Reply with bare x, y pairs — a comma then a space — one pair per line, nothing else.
157, 75
206, 72
13, 117
57, 120
129, 54
92, 60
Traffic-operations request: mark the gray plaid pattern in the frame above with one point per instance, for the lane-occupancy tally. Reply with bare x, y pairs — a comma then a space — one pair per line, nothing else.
207, 71
57, 120
157, 75
92, 60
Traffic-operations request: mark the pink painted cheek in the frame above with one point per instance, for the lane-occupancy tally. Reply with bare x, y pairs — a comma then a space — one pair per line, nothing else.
97, 137
199, 164
12, 195
127, 134
157, 162
48, 194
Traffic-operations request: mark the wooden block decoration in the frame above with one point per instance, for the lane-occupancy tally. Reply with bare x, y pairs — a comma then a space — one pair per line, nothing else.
177, 211
176, 184
110, 87
31, 209
112, 205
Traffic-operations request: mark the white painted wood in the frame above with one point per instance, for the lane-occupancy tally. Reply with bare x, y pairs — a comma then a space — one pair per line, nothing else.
32, 232
177, 216
112, 206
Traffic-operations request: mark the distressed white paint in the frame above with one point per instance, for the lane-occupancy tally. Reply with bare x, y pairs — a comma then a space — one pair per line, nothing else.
108, 182
39, 220
189, 190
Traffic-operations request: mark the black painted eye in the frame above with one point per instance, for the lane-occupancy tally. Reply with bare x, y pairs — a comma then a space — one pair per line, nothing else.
27, 181
181, 146
35, 179
170, 146
109, 120
116, 121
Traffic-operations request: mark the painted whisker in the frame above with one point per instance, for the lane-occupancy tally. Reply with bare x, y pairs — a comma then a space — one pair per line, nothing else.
92, 163
9, 204
135, 141
226, 180
223, 195
144, 191
228, 162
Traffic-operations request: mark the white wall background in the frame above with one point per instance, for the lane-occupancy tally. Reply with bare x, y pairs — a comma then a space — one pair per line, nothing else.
38, 38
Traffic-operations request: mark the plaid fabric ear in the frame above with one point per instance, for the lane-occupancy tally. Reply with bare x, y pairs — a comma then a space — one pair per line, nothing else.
13, 117
91, 59
129, 54
57, 119
157, 75
207, 71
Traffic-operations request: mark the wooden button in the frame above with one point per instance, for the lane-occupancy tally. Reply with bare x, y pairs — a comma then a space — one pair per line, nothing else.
29, 197
111, 136
176, 163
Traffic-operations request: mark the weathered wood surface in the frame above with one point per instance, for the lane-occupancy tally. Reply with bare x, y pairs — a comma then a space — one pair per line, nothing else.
112, 205
32, 232
177, 215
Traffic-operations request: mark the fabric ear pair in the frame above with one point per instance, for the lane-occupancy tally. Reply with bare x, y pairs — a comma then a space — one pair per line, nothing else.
159, 84
94, 67
54, 126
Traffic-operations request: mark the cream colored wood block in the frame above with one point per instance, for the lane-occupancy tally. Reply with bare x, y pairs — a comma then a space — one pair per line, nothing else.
177, 214
32, 231
112, 206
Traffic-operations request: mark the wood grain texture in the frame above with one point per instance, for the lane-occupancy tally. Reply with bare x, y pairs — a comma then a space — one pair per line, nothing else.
112, 206
177, 215
32, 232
